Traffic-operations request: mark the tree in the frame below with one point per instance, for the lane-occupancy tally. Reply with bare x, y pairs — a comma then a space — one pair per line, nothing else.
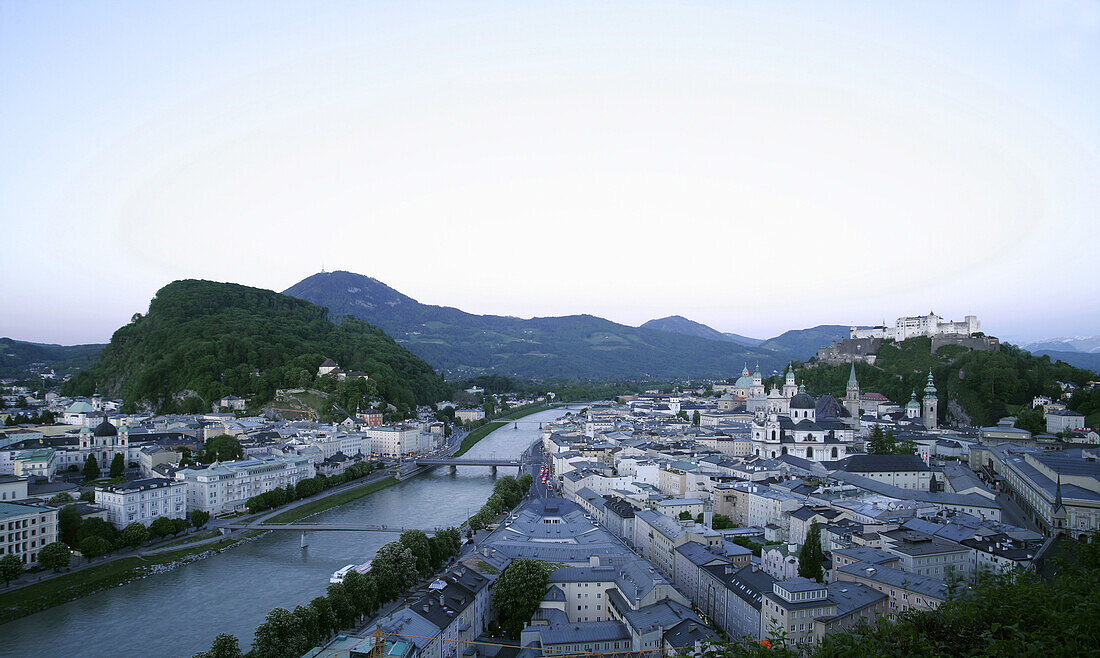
10, 568
55, 556
876, 442
685, 515
199, 518
308, 620
721, 522
308, 487
91, 468
97, 527
417, 542
118, 465
361, 590
162, 526
133, 535
224, 646
517, 593
222, 448
810, 555
94, 546
696, 418
279, 636
326, 619
342, 604
68, 523
394, 570
88, 496
61, 498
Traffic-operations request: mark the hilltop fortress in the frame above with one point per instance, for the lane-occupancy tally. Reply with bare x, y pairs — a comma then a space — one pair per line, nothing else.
863, 342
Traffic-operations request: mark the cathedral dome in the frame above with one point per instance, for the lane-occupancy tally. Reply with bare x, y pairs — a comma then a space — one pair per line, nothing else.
803, 401
105, 429
744, 381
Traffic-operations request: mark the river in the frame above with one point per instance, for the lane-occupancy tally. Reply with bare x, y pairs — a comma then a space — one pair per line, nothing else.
180, 612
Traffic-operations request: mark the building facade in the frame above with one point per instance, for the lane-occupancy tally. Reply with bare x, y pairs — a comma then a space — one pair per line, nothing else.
143, 501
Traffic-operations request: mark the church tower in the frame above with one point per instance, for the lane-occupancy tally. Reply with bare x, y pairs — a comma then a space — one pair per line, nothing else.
851, 396
790, 389
931, 405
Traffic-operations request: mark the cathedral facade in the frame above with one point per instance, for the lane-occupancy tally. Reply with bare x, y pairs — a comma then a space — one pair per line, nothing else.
792, 422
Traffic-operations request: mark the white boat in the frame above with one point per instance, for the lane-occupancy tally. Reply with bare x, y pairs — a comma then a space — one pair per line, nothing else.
338, 575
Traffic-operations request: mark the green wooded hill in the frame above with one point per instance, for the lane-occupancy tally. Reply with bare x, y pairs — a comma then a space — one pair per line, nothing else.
986, 385
221, 338
575, 347
17, 355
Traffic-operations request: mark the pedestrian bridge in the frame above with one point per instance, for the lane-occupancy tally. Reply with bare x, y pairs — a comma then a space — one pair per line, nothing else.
321, 527
443, 461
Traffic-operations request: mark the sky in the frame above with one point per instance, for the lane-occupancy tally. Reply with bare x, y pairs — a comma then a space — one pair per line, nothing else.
756, 166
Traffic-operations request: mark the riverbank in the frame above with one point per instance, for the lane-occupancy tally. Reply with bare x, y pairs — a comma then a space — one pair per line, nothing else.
68, 587
485, 430
480, 433
335, 500
119, 571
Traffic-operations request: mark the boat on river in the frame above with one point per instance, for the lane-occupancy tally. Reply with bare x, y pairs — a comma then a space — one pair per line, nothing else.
338, 575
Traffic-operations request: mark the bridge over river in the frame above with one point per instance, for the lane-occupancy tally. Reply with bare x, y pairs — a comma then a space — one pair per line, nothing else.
330, 527
468, 461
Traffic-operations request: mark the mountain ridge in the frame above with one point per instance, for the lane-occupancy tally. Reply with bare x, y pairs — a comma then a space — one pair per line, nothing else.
576, 346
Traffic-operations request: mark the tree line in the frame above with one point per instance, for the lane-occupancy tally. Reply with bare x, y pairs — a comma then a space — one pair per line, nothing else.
305, 488
95, 537
507, 493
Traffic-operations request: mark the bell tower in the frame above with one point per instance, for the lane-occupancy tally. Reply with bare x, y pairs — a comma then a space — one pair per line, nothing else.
931, 405
851, 396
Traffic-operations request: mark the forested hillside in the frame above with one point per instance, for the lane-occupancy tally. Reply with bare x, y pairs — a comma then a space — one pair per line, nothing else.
217, 339
16, 356
984, 384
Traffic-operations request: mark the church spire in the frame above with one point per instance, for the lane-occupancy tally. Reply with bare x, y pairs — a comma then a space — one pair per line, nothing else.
852, 374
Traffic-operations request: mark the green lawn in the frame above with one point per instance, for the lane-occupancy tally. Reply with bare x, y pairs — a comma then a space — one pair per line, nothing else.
329, 502
1093, 420
480, 433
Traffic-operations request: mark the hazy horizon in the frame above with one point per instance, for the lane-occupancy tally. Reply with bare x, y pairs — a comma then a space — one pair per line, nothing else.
755, 167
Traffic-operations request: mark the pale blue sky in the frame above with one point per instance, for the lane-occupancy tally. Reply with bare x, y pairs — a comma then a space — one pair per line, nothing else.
753, 166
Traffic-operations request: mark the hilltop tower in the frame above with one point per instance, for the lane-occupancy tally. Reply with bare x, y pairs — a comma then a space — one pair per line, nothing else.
851, 396
931, 405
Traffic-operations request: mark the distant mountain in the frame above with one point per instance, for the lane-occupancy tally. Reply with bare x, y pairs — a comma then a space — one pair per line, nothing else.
678, 324
215, 339
16, 356
744, 340
1090, 344
577, 346
804, 343
1087, 360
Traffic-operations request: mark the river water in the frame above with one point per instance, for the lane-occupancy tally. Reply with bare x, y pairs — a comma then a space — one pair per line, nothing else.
180, 612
